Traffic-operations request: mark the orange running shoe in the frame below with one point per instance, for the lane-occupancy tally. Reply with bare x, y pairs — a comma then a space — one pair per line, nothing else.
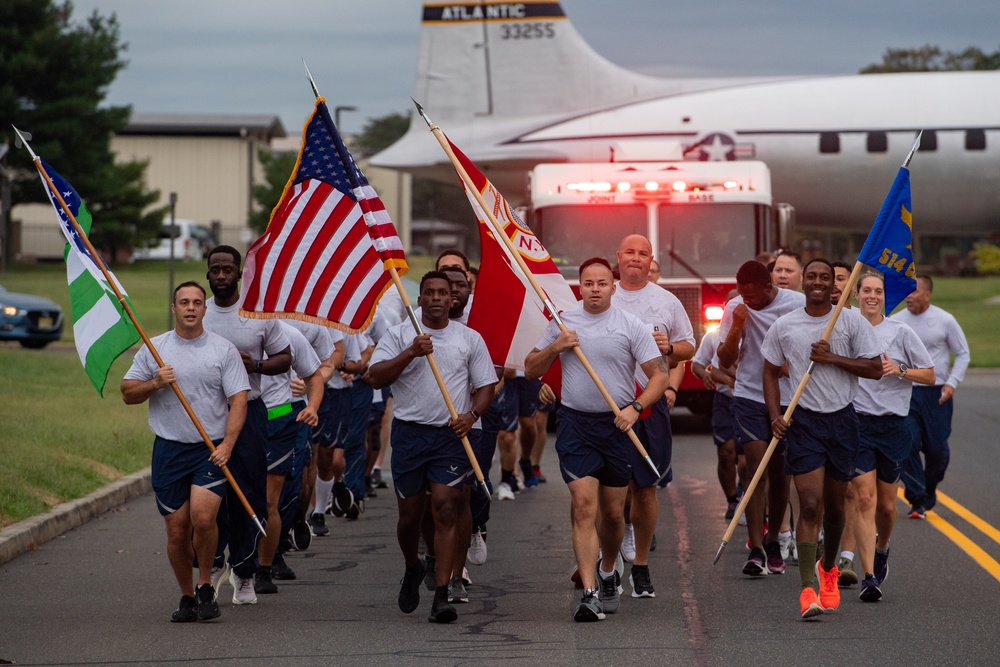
809, 603
829, 593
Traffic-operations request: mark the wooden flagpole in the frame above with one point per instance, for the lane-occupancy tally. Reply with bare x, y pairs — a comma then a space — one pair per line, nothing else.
466, 445
142, 333
845, 295
500, 234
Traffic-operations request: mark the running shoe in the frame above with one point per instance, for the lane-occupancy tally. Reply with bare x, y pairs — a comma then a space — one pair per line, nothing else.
848, 577
881, 565
539, 475
528, 472
829, 593
187, 611
280, 569
775, 563
377, 479
355, 510
477, 548
441, 609
756, 565
430, 573
317, 524
789, 553
642, 586
870, 591
808, 603
505, 492
263, 584
610, 590
208, 608
628, 543
731, 509
409, 588
300, 535
220, 573
918, 512
243, 592
456, 591
590, 608
466, 579
342, 499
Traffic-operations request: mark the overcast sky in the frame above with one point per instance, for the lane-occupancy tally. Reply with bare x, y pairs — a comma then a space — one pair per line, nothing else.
245, 56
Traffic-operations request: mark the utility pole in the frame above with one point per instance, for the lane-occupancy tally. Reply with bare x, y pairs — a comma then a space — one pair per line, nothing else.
173, 234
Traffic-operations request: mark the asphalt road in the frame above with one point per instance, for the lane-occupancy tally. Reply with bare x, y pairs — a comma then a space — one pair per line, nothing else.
103, 593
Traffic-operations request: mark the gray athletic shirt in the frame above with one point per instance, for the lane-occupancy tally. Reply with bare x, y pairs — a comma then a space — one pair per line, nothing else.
790, 339
318, 336
462, 358
891, 395
253, 336
275, 390
708, 354
208, 370
659, 310
942, 336
613, 342
750, 368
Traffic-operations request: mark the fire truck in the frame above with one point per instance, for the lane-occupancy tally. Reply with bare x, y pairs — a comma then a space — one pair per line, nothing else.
703, 219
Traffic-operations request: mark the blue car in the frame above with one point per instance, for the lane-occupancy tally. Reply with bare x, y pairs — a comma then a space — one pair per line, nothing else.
33, 321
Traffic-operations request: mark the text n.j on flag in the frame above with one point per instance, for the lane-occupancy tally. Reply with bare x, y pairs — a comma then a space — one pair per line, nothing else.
101, 328
889, 247
324, 255
506, 311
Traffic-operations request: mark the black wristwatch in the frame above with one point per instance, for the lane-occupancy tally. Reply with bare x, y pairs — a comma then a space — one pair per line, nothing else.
475, 415
637, 406
260, 364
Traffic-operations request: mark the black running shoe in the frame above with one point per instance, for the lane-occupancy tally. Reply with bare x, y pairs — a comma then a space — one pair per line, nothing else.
300, 535
342, 499
409, 588
590, 608
262, 582
430, 573
354, 511
377, 479
442, 611
642, 586
208, 608
280, 569
317, 523
187, 611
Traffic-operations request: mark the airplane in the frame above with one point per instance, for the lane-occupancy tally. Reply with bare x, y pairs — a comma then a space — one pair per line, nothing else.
513, 84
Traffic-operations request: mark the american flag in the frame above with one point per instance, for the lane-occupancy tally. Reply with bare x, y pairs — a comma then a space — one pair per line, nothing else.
324, 255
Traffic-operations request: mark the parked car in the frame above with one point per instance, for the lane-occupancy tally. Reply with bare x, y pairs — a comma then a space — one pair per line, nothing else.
191, 241
33, 321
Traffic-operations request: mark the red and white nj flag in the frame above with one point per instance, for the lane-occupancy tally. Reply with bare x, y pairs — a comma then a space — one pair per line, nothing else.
507, 311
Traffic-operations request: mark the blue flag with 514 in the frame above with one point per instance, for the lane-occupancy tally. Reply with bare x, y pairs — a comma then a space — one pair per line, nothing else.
889, 247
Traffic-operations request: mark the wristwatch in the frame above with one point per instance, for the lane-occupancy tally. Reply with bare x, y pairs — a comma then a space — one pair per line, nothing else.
637, 406
902, 370
260, 364
475, 415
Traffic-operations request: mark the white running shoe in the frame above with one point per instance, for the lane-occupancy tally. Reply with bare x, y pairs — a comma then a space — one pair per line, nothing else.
243, 592
477, 549
466, 579
504, 492
219, 576
628, 543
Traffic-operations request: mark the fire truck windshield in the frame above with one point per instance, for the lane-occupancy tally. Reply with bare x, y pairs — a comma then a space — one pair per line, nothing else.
573, 234
711, 239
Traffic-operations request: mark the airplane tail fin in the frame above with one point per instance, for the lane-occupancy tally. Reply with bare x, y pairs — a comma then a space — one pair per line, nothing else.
514, 59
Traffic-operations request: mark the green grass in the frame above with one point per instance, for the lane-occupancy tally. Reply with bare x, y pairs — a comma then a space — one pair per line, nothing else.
60, 440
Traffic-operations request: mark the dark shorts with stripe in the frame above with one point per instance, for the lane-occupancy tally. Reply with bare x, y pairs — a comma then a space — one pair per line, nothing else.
333, 430
590, 445
886, 442
504, 406
422, 454
527, 396
654, 434
826, 440
177, 466
723, 421
753, 424
282, 434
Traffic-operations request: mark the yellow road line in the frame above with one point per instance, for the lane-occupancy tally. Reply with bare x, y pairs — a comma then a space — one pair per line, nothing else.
961, 511
964, 543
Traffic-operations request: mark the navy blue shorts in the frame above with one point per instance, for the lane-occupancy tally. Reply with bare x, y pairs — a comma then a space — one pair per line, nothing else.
505, 406
333, 430
378, 407
654, 434
723, 421
316, 432
177, 466
753, 424
422, 454
590, 445
886, 442
823, 440
527, 396
282, 434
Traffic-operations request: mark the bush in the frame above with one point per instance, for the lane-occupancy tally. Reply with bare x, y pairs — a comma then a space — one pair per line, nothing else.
987, 258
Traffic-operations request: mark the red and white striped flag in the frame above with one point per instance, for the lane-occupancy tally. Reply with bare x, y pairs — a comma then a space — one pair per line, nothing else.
507, 311
324, 255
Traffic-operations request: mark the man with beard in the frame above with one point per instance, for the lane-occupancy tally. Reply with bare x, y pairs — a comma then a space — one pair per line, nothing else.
822, 440
265, 350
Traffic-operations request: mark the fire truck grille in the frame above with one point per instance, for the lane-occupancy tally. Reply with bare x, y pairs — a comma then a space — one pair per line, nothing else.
690, 297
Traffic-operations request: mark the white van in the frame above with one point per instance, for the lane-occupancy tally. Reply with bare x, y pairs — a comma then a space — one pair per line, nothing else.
191, 241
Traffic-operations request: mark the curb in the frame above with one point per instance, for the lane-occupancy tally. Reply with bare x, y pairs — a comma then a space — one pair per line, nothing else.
28, 534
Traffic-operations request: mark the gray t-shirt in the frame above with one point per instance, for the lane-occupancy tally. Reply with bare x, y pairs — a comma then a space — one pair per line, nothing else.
750, 368
708, 354
942, 336
208, 370
790, 339
319, 337
253, 336
659, 310
891, 395
462, 358
613, 342
275, 390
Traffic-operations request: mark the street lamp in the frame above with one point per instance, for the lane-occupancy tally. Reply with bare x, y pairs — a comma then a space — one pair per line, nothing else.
336, 115
170, 285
